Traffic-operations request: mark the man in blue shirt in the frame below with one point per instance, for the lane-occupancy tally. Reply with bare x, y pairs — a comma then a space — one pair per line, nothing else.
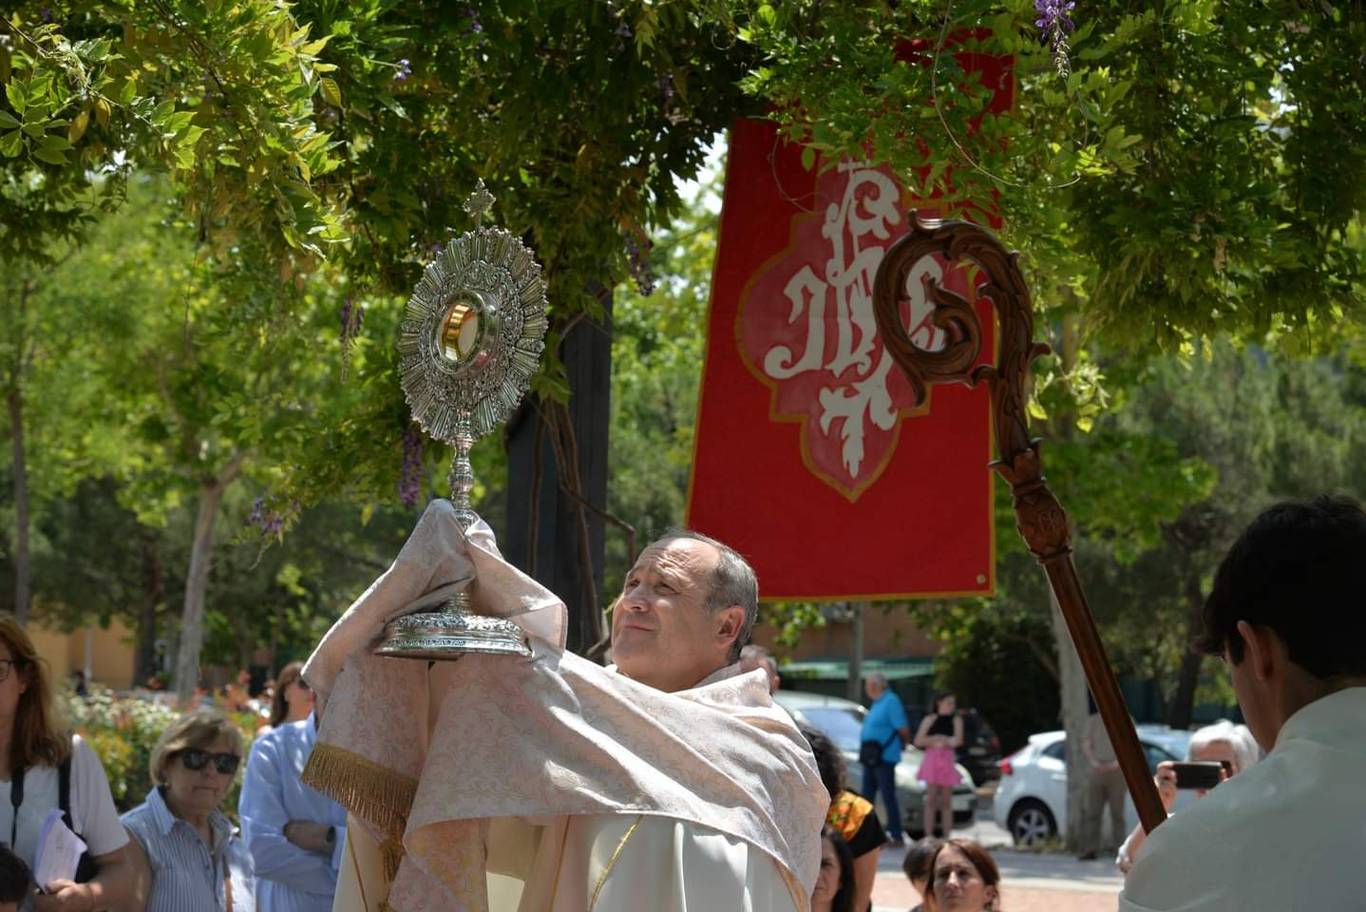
886, 724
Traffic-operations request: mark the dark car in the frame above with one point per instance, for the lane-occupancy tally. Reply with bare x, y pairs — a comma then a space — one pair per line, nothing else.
981, 750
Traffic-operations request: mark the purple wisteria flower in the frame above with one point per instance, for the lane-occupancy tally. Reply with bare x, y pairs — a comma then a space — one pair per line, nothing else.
410, 476
405, 70
1056, 24
623, 34
640, 267
267, 521
351, 318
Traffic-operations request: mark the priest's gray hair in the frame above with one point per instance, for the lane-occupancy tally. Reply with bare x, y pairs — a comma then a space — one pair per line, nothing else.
732, 583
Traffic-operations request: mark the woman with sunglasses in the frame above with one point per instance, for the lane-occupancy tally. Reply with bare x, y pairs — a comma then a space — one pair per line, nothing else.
186, 853
47, 769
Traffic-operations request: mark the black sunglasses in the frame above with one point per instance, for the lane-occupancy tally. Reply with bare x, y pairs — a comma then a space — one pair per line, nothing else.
196, 759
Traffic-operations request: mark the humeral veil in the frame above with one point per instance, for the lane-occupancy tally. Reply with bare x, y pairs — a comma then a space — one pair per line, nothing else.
514, 784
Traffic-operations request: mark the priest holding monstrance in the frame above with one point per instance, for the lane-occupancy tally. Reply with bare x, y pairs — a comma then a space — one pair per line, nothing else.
486, 768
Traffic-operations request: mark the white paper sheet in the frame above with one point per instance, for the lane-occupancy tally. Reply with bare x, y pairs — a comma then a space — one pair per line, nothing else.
59, 851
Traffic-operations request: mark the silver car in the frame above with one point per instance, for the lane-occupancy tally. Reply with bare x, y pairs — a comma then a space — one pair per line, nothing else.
841, 721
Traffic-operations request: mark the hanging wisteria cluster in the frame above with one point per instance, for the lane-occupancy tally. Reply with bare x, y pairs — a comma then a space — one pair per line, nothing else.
641, 270
410, 476
351, 318
267, 521
1056, 24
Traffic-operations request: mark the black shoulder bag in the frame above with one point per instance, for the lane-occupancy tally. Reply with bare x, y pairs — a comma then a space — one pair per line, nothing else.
86, 868
870, 752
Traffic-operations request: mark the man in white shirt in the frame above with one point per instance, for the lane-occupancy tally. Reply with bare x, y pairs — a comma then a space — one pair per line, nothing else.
1286, 613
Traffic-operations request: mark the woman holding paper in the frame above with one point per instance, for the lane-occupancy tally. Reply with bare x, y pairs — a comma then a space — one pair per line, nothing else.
43, 768
186, 852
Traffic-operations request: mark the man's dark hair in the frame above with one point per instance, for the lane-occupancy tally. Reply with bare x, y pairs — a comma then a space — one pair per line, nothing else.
733, 583
919, 861
829, 760
1296, 570
15, 879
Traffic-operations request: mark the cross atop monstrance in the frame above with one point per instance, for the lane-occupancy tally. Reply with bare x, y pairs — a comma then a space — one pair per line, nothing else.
479, 203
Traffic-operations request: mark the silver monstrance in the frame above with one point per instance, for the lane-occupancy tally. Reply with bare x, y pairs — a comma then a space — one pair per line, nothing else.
471, 337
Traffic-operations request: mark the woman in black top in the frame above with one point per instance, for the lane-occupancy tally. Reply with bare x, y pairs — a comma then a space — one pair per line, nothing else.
939, 736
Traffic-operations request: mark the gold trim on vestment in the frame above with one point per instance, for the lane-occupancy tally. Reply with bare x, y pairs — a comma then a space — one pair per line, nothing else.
360, 878
391, 852
612, 862
379, 796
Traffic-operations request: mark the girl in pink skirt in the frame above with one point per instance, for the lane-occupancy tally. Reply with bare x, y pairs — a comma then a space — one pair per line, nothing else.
940, 733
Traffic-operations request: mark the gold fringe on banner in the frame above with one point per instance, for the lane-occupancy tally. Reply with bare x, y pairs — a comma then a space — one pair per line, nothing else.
379, 796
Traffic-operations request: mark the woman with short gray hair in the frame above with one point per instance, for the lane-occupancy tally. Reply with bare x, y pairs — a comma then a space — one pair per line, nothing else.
1222, 742
186, 852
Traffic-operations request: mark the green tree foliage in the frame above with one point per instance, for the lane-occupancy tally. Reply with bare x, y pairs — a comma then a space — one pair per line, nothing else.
1202, 168
1250, 427
1199, 170
998, 660
219, 94
194, 403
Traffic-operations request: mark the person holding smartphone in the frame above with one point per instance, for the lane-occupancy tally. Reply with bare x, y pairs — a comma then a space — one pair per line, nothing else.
1231, 746
1286, 614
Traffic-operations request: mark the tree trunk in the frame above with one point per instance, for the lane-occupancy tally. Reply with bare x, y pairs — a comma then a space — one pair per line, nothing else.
276, 626
197, 583
153, 591
1073, 690
1073, 707
22, 570
855, 691
1183, 702
246, 643
555, 535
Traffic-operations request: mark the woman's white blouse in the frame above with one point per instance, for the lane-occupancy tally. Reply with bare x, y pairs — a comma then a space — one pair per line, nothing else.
93, 814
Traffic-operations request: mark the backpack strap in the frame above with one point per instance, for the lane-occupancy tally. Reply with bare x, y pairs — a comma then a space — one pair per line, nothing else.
64, 792
16, 798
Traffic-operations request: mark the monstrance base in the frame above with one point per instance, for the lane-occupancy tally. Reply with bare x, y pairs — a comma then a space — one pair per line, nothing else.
447, 635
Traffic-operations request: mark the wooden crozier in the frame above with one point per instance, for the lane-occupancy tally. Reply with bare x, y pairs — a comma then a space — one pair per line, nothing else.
1039, 516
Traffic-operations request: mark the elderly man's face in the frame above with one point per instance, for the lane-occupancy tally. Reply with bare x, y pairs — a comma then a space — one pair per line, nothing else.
662, 633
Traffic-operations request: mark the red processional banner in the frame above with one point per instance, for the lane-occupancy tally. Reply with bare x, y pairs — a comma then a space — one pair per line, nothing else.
810, 456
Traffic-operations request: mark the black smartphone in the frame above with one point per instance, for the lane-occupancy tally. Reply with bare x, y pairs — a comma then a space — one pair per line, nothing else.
1198, 774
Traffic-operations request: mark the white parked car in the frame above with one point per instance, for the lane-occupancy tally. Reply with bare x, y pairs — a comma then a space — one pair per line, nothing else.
1031, 798
841, 721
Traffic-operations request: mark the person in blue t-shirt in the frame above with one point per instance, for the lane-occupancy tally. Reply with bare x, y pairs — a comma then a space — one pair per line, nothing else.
886, 724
